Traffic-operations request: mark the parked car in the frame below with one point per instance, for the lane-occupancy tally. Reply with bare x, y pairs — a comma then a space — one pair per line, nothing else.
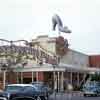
43, 87
91, 89
22, 91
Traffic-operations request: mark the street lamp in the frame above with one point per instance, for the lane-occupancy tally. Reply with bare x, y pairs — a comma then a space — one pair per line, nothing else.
54, 74
54, 80
54, 65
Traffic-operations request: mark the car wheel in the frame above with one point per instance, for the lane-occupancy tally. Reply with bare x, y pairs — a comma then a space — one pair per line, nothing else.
38, 98
96, 95
46, 97
85, 95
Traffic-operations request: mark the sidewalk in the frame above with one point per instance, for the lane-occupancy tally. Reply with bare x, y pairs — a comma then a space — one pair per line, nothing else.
66, 95
71, 93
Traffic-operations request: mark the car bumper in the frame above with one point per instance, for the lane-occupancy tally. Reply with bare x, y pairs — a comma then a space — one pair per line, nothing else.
90, 93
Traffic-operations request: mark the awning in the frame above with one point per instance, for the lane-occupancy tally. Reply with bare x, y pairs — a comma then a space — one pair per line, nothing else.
77, 68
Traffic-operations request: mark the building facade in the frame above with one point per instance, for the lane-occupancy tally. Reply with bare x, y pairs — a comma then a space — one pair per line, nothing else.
46, 59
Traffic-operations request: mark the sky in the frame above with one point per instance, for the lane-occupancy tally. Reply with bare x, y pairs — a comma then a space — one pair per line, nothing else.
26, 19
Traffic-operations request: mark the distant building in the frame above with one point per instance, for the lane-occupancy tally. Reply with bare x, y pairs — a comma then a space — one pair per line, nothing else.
94, 61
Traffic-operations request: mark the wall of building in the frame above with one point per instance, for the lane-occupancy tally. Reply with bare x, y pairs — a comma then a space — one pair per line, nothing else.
94, 61
71, 57
75, 58
46, 42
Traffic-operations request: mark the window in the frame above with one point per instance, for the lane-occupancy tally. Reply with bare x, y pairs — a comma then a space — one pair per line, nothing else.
29, 88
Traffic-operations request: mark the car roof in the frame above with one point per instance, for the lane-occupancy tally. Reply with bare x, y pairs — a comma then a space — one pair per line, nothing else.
20, 85
39, 82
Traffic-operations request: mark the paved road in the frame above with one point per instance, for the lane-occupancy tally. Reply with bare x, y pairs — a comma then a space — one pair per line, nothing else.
75, 96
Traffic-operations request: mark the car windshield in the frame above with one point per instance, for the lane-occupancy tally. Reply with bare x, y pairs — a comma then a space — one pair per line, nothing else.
13, 88
41, 86
38, 87
92, 84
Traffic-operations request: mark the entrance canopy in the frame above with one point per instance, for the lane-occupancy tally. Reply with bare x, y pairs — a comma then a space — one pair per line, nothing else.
61, 67
37, 68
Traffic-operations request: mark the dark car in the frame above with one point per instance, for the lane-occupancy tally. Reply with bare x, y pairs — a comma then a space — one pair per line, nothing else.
22, 91
91, 89
43, 87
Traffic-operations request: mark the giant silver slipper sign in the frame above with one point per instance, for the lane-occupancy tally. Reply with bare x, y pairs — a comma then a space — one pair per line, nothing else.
56, 21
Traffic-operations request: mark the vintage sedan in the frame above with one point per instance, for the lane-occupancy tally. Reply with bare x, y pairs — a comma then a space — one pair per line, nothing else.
91, 89
22, 91
43, 87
